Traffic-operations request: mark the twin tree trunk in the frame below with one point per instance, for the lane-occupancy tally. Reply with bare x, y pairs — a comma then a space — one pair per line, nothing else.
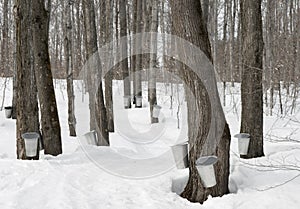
252, 91
188, 24
49, 116
98, 119
34, 76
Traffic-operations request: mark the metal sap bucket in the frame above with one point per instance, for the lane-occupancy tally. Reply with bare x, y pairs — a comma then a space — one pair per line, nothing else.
90, 138
31, 140
205, 167
8, 111
243, 140
127, 101
156, 111
138, 101
180, 154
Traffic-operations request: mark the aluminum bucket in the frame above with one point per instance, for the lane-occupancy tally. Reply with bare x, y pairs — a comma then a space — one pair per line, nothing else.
89, 138
138, 101
156, 111
8, 111
180, 154
31, 140
127, 101
243, 140
205, 167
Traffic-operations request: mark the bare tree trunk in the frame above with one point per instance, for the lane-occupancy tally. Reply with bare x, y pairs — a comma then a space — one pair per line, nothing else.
97, 108
107, 24
139, 58
90, 48
215, 29
49, 115
153, 58
297, 55
124, 47
78, 49
134, 58
232, 16
252, 92
15, 84
27, 103
205, 10
187, 19
69, 69
239, 40
270, 38
225, 67
4, 42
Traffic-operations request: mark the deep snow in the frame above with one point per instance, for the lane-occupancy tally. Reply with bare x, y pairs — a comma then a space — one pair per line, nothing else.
136, 171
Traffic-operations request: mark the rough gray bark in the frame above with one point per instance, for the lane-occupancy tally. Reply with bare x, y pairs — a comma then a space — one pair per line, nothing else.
49, 116
27, 103
297, 40
188, 24
140, 22
5, 41
269, 51
98, 118
78, 49
252, 92
124, 47
69, 69
133, 43
232, 15
205, 10
14, 67
106, 36
90, 48
153, 61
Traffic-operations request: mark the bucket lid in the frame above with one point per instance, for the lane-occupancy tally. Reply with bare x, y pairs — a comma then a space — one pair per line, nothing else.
242, 135
207, 160
93, 132
30, 135
157, 106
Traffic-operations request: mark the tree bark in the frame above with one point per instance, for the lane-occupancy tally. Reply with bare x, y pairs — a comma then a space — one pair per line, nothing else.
269, 51
205, 10
140, 22
124, 47
153, 58
49, 116
5, 41
106, 22
27, 103
188, 24
252, 92
97, 108
69, 69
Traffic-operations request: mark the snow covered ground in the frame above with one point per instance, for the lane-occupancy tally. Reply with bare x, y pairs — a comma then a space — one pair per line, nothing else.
136, 171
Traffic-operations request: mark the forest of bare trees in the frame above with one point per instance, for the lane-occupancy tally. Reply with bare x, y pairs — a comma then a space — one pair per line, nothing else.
255, 43
223, 20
